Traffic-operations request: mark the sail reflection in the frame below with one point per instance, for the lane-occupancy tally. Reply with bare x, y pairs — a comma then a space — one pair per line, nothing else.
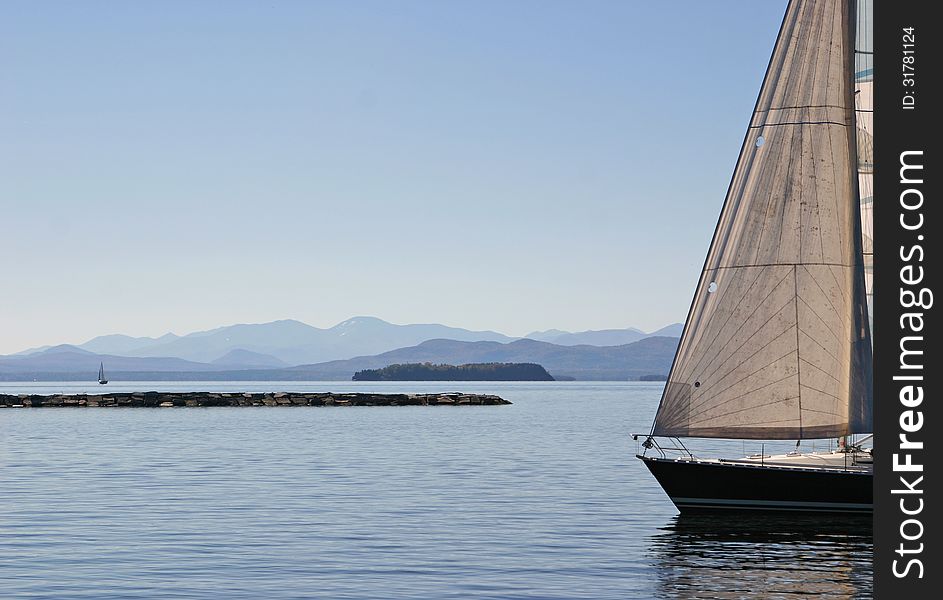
764, 556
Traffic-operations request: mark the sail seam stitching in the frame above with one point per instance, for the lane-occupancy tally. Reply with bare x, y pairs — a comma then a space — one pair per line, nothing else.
801, 106
720, 329
823, 371
838, 285
795, 280
697, 367
824, 349
698, 406
823, 392
819, 317
758, 350
754, 407
790, 18
799, 123
825, 294
727, 328
820, 239
742, 379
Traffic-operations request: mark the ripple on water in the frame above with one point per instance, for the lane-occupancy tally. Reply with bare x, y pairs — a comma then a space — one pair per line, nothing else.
541, 499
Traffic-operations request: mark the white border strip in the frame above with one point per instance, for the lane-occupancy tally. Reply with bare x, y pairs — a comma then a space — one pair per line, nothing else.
771, 504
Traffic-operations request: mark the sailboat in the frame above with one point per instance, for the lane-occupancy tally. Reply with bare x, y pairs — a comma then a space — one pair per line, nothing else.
101, 374
777, 342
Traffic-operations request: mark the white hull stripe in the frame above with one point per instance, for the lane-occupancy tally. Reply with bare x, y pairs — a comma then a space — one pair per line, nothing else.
861, 471
771, 504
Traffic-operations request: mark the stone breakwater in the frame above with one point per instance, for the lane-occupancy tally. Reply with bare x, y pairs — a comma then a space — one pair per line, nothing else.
197, 399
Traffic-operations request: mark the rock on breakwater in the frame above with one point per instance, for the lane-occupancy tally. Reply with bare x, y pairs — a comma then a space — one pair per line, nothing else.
198, 399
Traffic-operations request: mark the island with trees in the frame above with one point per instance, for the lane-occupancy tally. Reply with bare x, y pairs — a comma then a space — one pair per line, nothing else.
653, 378
469, 372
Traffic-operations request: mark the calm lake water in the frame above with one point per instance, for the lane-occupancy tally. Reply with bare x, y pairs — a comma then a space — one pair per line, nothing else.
541, 499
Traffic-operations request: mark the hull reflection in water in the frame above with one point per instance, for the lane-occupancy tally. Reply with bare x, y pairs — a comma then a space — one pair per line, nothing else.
764, 555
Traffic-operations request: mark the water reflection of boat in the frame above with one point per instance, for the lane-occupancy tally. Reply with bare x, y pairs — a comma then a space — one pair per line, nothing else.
764, 555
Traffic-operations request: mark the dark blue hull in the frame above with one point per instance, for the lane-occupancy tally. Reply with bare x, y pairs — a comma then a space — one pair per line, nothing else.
698, 486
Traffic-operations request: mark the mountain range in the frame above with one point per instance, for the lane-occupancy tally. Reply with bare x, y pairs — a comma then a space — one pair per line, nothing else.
289, 342
603, 337
648, 356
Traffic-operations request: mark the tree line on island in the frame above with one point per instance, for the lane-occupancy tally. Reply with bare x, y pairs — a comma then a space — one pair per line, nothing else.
468, 372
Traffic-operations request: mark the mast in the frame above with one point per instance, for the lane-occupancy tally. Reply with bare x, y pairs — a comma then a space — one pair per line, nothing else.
864, 122
777, 343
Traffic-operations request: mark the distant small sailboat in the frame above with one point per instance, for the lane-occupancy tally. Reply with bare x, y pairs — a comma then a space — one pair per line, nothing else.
101, 374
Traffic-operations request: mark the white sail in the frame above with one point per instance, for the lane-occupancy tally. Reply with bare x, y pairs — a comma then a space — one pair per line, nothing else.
777, 343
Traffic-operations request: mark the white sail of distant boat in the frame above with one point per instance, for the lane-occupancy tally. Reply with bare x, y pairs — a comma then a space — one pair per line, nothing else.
777, 344
101, 374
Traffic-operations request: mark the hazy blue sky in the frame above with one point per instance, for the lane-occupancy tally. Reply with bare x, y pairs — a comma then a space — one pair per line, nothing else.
512, 165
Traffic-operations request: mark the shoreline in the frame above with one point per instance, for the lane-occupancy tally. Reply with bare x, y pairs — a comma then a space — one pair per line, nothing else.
215, 399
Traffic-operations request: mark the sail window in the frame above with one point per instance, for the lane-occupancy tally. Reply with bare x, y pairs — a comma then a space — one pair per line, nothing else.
712, 287
760, 141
